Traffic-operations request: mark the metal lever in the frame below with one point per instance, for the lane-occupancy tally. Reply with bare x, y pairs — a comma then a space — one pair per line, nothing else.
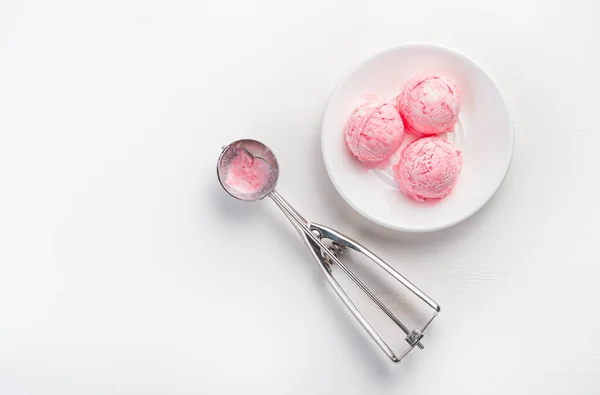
313, 234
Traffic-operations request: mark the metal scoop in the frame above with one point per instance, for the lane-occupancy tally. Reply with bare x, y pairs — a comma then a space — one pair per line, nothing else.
314, 236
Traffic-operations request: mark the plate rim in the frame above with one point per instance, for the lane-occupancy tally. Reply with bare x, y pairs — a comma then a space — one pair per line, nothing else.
387, 224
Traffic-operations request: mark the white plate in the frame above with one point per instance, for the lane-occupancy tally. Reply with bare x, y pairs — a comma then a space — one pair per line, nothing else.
484, 134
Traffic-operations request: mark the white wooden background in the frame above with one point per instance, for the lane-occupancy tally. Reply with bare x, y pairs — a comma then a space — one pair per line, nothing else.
124, 269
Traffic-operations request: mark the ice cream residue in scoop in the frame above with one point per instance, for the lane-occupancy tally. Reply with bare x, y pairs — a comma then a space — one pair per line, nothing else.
247, 174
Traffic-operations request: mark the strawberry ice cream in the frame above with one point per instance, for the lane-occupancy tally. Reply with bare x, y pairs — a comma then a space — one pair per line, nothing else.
247, 175
428, 169
429, 105
374, 131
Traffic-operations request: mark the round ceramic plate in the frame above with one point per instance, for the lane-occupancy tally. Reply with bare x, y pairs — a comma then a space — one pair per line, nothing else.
483, 133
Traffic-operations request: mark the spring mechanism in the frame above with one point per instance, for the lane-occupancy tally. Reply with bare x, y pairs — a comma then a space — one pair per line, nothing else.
337, 250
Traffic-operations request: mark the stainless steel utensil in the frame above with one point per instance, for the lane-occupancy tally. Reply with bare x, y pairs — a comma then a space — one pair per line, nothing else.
314, 236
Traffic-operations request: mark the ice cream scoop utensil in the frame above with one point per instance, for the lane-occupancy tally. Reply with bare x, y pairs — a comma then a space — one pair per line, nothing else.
315, 236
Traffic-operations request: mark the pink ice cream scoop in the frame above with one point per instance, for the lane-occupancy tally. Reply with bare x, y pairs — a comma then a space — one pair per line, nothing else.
429, 105
374, 131
428, 169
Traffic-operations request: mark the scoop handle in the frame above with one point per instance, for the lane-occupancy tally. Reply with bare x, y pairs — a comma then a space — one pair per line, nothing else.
346, 241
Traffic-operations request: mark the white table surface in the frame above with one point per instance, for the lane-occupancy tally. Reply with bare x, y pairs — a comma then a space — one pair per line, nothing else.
125, 269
